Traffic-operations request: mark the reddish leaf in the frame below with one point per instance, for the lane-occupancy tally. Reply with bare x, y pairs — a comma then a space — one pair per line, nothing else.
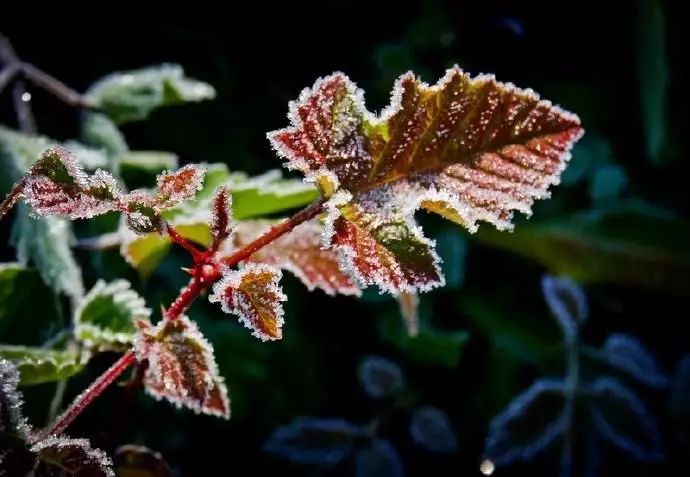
254, 295
220, 221
466, 148
62, 456
299, 252
175, 187
181, 366
56, 185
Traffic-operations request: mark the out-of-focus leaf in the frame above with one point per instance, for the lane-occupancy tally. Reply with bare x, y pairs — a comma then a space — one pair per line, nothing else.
628, 355
64, 457
133, 95
139, 168
378, 459
567, 302
622, 419
589, 154
42, 365
43, 241
523, 336
380, 377
429, 346
653, 75
99, 131
313, 440
431, 429
446, 149
451, 246
679, 402
630, 243
608, 182
106, 315
27, 308
139, 461
530, 423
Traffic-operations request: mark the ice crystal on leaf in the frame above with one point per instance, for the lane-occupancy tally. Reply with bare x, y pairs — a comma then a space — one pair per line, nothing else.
181, 366
220, 216
300, 253
178, 186
11, 419
253, 294
62, 456
469, 149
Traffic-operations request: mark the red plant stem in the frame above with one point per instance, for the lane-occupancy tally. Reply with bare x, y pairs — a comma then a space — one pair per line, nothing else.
309, 212
182, 242
85, 398
205, 273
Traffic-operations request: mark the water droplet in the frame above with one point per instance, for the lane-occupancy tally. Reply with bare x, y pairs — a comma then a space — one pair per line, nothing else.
26, 96
487, 467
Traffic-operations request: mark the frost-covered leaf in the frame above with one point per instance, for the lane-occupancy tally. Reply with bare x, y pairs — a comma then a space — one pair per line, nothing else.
530, 423
253, 293
43, 241
623, 420
133, 95
220, 217
57, 185
43, 365
627, 354
300, 253
653, 75
380, 377
12, 422
314, 441
679, 402
467, 149
631, 243
180, 185
139, 461
181, 366
106, 315
431, 429
99, 131
567, 302
378, 459
66, 457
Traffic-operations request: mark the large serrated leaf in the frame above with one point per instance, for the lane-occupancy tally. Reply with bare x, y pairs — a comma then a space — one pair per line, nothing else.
106, 315
42, 365
468, 149
133, 95
631, 243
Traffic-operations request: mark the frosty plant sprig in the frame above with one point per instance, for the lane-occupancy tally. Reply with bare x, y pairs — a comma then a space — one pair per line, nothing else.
470, 149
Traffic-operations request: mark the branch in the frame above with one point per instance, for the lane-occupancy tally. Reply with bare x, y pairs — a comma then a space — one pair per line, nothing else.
91, 393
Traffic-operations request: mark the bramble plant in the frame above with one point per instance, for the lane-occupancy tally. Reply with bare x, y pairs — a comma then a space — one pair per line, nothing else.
468, 149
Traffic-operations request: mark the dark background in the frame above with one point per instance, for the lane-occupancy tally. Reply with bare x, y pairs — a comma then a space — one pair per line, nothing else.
581, 55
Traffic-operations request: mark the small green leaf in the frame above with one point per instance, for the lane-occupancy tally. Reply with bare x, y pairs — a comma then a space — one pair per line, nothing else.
41, 365
106, 315
133, 95
630, 243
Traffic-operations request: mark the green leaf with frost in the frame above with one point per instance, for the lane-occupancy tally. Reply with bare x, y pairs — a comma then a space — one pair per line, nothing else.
106, 315
99, 131
133, 95
42, 365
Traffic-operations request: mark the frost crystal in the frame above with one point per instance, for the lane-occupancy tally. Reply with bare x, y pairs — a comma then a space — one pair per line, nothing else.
11, 419
253, 294
469, 149
220, 216
72, 457
183, 184
181, 366
301, 254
